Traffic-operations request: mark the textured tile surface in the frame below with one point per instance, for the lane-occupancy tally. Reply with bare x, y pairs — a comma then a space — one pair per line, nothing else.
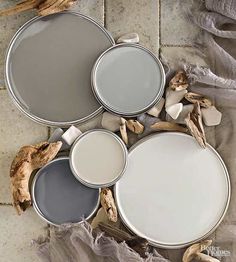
92, 8
140, 16
176, 29
8, 26
17, 233
176, 55
15, 131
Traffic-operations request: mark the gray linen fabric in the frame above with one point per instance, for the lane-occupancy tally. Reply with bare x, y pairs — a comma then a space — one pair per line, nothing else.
218, 19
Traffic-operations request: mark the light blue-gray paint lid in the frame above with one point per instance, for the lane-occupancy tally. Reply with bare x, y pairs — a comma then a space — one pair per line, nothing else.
128, 79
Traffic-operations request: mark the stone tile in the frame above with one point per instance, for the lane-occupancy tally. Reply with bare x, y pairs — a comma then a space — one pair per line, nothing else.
175, 27
9, 25
15, 131
91, 124
176, 55
140, 16
92, 8
17, 233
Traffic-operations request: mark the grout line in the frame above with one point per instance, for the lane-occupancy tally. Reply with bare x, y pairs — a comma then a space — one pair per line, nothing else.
3, 88
6, 204
49, 132
104, 13
184, 46
159, 28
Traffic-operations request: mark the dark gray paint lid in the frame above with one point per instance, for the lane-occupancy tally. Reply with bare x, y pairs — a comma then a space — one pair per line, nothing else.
58, 197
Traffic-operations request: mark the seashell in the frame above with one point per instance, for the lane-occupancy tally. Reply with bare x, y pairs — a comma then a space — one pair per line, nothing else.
174, 110
70, 135
111, 122
202, 100
131, 38
156, 110
211, 116
174, 97
183, 114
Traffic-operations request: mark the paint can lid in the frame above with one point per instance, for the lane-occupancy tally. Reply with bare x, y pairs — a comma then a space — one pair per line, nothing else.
59, 198
128, 79
98, 158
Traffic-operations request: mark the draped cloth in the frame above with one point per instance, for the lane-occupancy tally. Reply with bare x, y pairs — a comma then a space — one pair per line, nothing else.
217, 19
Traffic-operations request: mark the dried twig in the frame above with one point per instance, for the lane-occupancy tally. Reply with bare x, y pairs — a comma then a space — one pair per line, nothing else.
168, 126
108, 203
203, 101
195, 126
179, 81
43, 7
134, 126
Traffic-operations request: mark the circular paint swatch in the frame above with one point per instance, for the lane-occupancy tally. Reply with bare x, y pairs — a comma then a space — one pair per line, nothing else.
48, 67
60, 198
173, 192
128, 79
98, 158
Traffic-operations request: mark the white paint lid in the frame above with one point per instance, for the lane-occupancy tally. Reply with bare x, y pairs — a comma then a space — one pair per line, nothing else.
98, 158
173, 192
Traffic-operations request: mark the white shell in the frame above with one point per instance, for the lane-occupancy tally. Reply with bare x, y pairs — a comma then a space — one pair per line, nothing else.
174, 110
174, 97
183, 114
156, 110
111, 122
132, 38
71, 134
211, 116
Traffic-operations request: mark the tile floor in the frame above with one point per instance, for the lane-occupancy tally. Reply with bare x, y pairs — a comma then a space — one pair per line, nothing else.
162, 27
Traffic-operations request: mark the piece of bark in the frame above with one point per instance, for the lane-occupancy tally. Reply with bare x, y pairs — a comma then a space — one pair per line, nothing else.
201, 99
168, 126
108, 203
134, 126
26, 161
138, 244
179, 81
52, 6
195, 126
101, 216
43, 7
123, 131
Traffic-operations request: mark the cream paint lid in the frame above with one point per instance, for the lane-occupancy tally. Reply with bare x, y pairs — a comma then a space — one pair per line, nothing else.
128, 79
173, 193
98, 158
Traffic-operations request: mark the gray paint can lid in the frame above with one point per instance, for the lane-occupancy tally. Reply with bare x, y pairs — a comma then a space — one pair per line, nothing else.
128, 79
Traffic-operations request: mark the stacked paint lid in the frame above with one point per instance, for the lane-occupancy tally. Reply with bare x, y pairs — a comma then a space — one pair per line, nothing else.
50, 62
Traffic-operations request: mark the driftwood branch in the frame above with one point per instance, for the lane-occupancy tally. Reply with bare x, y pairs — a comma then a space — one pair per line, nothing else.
43, 7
